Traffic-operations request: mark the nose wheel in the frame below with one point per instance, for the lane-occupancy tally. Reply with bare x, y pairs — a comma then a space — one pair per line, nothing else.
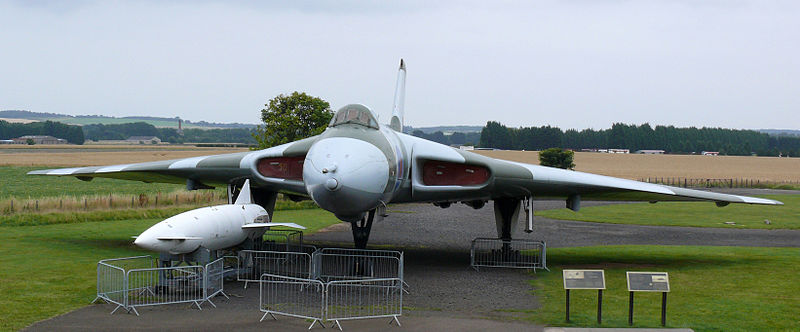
361, 229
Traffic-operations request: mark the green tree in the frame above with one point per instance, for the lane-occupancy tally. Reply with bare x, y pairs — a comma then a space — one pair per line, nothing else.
557, 157
289, 118
495, 135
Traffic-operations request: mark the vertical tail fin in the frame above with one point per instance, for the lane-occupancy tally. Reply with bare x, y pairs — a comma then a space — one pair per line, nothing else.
244, 195
396, 122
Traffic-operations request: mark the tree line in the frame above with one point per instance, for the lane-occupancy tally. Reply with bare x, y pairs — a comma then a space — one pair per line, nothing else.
122, 131
642, 137
456, 138
72, 134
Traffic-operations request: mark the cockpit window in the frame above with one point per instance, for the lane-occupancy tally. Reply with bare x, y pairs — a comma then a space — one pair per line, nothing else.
355, 114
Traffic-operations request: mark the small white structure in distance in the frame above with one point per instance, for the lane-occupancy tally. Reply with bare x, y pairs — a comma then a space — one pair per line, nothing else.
710, 153
650, 151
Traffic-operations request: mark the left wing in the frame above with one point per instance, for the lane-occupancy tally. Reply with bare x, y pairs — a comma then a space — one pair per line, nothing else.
277, 168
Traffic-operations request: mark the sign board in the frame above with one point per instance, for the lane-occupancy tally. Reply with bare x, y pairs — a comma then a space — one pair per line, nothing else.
584, 279
648, 282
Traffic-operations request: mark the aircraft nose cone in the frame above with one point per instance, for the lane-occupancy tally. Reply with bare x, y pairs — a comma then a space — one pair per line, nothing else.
345, 176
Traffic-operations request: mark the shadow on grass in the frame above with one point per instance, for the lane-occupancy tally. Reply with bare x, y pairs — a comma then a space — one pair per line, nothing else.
99, 243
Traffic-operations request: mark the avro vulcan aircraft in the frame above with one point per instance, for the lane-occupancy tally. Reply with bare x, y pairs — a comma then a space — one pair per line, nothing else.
357, 166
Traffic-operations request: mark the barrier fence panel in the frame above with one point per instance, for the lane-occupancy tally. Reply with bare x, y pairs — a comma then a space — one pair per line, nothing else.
362, 299
132, 282
525, 254
111, 278
252, 264
350, 264
214, 280
165, 285
294, 297
281, 240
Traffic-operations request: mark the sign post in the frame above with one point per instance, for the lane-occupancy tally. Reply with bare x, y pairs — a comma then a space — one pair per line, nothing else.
648, 282
586, 279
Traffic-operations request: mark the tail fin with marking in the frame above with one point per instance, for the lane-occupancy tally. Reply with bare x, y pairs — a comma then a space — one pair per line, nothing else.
396, 122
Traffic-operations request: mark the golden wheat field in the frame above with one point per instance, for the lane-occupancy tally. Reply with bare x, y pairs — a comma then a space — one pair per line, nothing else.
98, 155
641, 166
631, 166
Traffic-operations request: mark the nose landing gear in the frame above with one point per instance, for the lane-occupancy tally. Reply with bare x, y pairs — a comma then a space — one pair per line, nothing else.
361, 229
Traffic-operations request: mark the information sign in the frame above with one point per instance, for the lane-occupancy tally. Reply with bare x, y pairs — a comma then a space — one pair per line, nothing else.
584, 279
648, 282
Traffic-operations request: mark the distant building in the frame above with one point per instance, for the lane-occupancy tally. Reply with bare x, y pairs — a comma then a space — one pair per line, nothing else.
619, 151
7, 141
39, 139
710, 153
467, 147
143, 140
650, 151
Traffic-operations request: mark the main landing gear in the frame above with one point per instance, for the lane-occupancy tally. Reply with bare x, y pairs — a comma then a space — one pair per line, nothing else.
506, 214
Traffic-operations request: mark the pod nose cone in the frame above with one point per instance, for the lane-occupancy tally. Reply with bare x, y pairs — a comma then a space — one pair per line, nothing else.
148, 240
345, 176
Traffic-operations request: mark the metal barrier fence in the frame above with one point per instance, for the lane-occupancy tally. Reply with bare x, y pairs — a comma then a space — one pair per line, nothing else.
333, 301
352, 264
251, 264
135, 281
164, 285
294, 297
281, 240
111, 278
363, 299
524, 254
215, 280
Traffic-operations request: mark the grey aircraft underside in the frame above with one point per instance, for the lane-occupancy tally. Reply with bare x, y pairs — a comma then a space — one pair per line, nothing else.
356, 167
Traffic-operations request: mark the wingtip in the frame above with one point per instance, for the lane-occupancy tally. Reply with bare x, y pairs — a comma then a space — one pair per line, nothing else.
402, 64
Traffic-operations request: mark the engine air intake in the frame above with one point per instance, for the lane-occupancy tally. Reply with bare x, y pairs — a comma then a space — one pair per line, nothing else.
290, 168
440, 173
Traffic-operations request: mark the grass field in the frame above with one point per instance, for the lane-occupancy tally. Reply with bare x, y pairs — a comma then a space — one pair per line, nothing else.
694, 214
51, 269
639, 166
712, 288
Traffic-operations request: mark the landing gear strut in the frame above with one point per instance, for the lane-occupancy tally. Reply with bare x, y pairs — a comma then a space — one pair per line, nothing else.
506, 214
361, 229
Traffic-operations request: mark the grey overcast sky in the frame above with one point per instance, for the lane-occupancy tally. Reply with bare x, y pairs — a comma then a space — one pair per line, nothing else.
573, 64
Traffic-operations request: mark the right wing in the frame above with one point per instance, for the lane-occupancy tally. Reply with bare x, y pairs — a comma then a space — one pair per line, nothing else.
278, 168
441, 173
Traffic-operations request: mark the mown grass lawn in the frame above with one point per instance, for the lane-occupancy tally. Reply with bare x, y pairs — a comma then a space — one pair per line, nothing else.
694, 214
48, 270
712, 288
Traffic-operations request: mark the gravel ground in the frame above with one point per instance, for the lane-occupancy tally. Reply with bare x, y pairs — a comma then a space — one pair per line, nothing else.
445, 294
